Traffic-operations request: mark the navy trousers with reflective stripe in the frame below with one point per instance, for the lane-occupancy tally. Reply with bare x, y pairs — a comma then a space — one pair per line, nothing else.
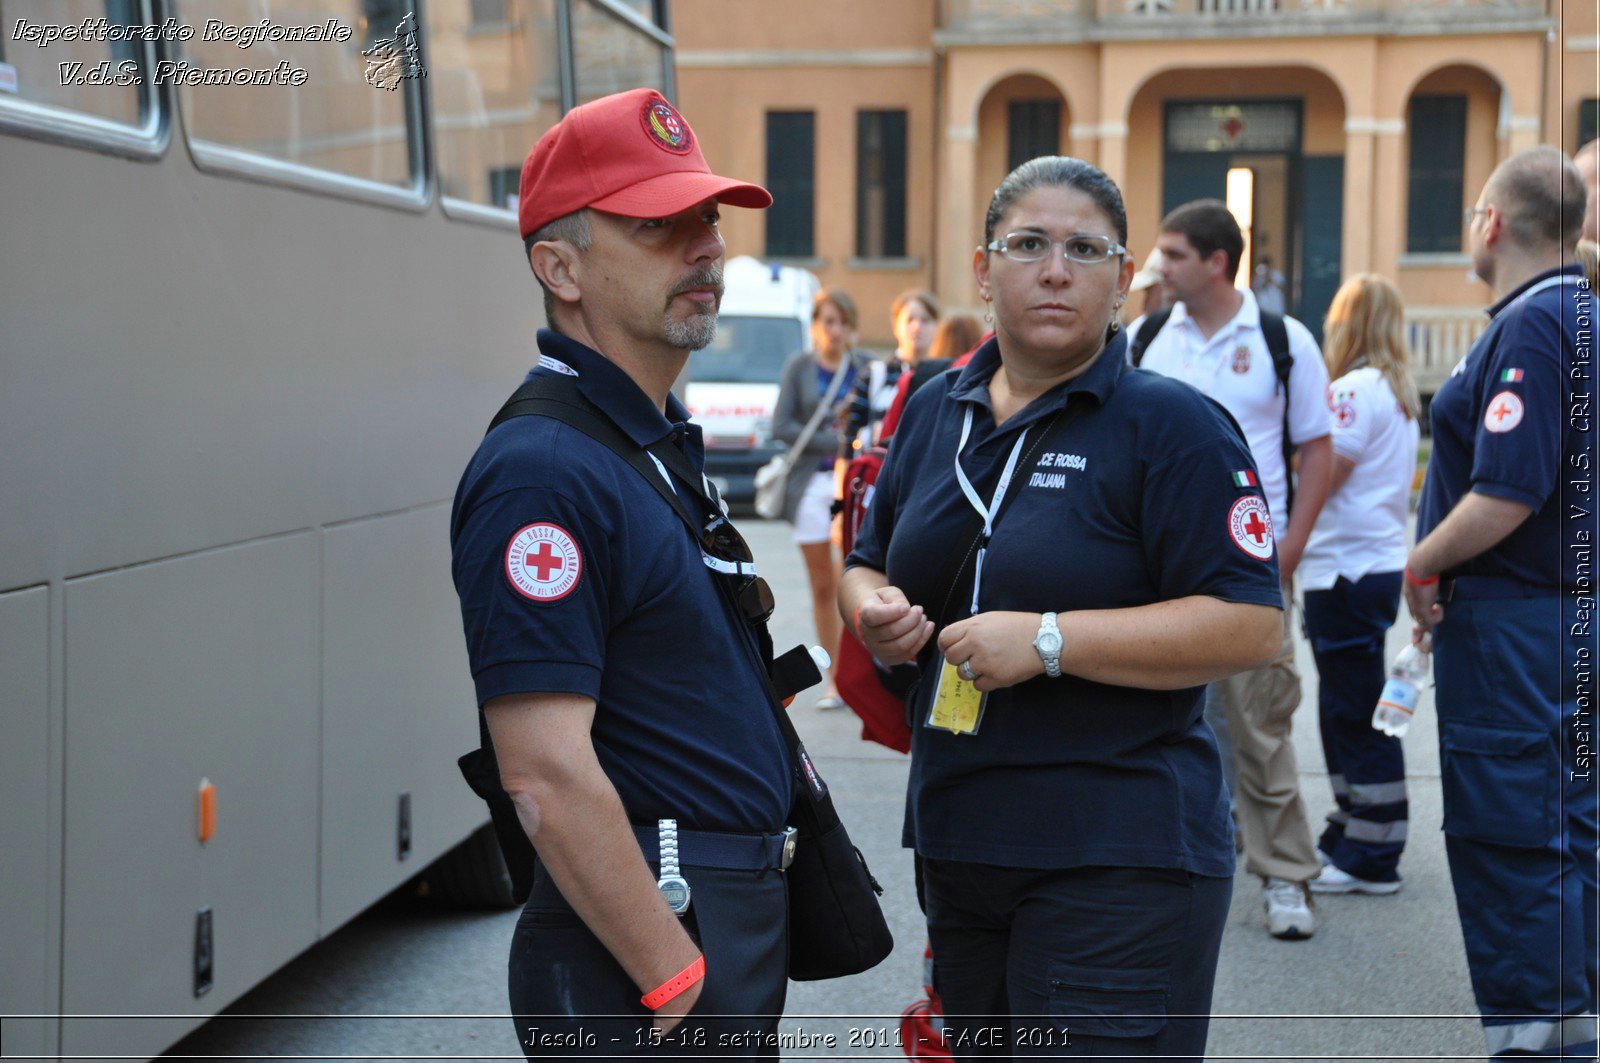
1346, 625
1515, 684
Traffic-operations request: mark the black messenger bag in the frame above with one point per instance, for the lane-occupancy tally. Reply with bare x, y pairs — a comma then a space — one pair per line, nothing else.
836, 926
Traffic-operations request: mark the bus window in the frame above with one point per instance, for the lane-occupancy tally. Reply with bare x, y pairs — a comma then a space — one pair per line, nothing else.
77, 67
334, 101
495, 74
616, 50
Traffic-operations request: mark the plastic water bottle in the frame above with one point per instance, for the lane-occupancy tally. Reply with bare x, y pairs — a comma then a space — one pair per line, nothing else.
1398, 701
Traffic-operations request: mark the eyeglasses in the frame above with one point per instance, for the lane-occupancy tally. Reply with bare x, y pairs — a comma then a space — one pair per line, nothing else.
1036, 247
1470, 213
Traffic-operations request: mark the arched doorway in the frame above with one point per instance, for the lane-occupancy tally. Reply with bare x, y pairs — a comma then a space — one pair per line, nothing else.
1020, 117
1269, 141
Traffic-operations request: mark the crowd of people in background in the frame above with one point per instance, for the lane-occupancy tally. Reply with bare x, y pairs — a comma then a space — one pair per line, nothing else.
1332, 435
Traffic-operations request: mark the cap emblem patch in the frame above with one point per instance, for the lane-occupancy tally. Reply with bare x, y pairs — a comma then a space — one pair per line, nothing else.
543, 562
666, 127
1250, 527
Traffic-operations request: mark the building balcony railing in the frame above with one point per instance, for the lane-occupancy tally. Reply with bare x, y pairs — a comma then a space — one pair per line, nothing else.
1020, 21
1439, 338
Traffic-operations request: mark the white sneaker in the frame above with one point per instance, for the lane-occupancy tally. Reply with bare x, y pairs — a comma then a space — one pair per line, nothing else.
1288, 910
1333, 880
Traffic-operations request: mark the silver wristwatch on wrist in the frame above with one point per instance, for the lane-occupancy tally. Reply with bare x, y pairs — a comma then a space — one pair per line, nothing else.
1048, 643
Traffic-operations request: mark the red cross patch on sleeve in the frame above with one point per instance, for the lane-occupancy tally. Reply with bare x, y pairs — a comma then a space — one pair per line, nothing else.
543, 562
1504, 412
1250, 527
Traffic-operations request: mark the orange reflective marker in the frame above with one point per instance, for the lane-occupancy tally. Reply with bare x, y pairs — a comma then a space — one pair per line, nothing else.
206, 803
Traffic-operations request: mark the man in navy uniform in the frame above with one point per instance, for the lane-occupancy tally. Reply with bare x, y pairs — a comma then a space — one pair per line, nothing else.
621, 687
1502, 576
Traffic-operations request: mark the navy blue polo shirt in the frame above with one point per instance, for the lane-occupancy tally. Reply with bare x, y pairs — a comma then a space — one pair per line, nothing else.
1512, 421
1145, 493
576, 576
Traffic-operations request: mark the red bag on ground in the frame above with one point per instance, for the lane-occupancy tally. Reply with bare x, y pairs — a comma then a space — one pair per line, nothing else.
922, 1023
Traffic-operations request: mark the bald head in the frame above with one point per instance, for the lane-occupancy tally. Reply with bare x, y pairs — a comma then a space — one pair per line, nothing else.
1588, 163
1542, 199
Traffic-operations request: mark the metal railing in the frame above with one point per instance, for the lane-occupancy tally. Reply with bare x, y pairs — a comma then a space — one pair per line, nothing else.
1440, 338
981, 15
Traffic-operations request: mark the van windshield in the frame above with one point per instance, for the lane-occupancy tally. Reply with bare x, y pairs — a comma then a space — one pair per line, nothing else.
747, 350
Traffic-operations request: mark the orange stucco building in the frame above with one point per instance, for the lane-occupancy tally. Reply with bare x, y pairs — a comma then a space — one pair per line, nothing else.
1321, 103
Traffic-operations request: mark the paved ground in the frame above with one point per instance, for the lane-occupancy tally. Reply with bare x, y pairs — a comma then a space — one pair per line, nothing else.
1384, 978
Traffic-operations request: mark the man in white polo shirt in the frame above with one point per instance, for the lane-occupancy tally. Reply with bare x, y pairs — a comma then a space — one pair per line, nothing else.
1214, 339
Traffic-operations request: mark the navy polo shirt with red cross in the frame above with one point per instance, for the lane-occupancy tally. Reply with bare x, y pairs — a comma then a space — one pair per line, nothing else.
575, 576
1144, 492
1513, 421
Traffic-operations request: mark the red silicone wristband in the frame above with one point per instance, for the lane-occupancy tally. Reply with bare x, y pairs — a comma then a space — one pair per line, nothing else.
858, 623
675, 985
1415, 582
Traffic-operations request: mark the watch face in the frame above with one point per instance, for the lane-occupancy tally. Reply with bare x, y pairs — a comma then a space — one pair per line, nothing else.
1050, 642
675, 891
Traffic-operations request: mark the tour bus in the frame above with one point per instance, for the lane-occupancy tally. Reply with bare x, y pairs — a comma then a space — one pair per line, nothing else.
765, 317
252, 326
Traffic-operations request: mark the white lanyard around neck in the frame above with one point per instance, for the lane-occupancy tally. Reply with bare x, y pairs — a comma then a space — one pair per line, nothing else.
988, 514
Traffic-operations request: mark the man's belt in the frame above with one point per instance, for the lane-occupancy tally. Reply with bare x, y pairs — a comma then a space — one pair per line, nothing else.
733, 852
1467, 588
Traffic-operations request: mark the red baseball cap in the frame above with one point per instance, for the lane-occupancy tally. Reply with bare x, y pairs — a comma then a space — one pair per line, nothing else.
631, 154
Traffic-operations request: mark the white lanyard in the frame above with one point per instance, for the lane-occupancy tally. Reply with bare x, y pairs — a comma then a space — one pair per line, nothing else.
716, 564
1548, 282
988, 514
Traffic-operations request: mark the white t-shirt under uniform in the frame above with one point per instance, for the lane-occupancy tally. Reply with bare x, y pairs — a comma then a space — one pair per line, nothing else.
1235, 368
1362, 528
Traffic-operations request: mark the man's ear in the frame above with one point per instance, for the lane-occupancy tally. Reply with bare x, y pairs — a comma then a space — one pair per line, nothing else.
557, 265
1218, 261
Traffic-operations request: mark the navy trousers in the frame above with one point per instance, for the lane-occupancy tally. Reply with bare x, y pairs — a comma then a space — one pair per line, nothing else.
1346, 625
1515, 682
570, 998
1086, 962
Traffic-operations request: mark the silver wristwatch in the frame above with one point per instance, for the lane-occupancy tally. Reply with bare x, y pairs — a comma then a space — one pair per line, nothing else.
1048, 643
673, 886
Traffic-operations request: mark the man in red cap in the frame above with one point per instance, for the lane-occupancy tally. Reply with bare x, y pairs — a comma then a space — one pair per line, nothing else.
623, 690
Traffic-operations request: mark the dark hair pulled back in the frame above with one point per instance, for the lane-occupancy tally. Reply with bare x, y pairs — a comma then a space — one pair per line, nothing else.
1057, 171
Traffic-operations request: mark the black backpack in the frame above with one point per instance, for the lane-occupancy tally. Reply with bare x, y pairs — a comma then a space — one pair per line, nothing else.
1276, 333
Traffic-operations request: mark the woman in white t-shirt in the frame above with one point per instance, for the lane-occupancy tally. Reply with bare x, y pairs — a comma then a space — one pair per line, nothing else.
1351, 575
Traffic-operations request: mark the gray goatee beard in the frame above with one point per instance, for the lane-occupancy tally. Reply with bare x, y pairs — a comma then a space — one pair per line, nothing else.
699, 329
693, 333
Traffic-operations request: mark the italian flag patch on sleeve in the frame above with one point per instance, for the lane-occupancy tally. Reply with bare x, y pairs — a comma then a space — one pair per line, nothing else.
1511, 376
1244, 478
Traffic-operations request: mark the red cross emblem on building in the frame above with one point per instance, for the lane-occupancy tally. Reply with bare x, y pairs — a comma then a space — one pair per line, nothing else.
1233, 127
543, 562
1504, 412
1250, 527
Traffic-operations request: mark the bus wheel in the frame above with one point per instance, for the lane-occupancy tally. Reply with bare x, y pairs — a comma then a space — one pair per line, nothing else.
472, 875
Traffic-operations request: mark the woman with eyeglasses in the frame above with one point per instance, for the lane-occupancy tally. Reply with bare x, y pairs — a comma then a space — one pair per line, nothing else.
1070, 550
1351, 576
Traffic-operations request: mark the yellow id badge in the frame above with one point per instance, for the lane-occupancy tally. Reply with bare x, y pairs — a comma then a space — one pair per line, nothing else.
957, 704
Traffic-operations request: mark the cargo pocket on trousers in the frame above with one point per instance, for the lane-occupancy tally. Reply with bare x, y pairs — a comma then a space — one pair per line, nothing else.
1096, 1002
1499, 786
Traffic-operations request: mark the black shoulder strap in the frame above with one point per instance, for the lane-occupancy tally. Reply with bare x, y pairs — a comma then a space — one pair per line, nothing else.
1276, 333
559, 399
1140, 341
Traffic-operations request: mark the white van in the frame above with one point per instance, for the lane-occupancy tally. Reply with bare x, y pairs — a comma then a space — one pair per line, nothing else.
733, 383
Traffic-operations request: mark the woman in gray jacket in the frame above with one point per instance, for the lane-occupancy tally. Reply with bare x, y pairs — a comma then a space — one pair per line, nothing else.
808, 377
